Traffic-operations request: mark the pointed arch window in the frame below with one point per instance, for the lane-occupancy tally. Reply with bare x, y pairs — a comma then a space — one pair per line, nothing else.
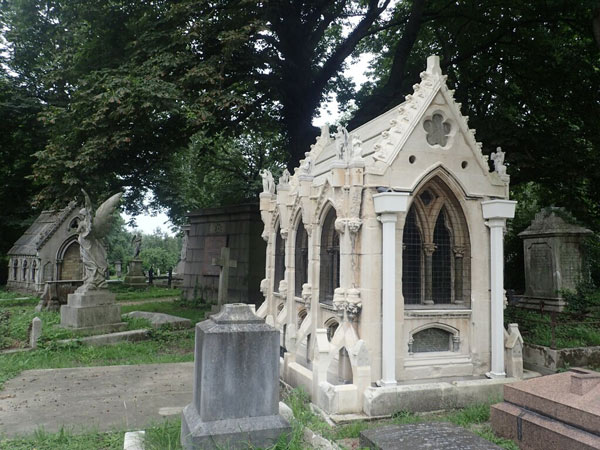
329, 268
300, 259
279, 261
436, 249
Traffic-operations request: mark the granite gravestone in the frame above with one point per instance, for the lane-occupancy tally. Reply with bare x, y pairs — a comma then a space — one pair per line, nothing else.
555, 412
236, 383
553, 258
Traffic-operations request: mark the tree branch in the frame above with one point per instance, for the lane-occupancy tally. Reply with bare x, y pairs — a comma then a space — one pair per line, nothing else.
345, 48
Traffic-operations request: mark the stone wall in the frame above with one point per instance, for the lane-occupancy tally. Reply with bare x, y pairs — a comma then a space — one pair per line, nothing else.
237, 227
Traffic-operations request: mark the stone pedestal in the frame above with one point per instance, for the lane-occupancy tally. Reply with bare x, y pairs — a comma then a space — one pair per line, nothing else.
236, 383
93, 311
135, 277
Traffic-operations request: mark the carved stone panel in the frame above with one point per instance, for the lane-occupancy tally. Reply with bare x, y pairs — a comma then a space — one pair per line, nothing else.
541, 268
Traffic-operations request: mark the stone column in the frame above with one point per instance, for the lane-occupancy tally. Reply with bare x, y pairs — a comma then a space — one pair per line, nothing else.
496, 212
387, 206
428, 249
459, 253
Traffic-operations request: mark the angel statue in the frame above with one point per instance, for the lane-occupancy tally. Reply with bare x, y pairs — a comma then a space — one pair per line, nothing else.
91, 233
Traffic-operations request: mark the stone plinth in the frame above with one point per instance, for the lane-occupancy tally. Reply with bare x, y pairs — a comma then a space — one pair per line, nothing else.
92, 311
236, 383
135, 277
553, 259
554, 412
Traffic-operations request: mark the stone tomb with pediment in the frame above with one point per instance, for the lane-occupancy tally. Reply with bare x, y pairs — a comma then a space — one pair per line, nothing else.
48, 251
384, 260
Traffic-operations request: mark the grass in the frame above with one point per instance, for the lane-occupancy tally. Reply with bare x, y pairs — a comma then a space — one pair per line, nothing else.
9, 295
64, 440
16, 317
536, 329
175, 309
126, 293
164, 347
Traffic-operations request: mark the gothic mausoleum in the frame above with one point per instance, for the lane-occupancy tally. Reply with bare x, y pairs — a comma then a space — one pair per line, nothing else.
47, 251
384, 260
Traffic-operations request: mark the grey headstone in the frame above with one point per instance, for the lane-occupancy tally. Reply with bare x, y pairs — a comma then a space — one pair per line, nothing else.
236, 383
423, 436
36, 332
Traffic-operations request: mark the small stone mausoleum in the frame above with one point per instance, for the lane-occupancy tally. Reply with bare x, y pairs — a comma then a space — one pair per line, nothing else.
384, 260
47, 251
224, 251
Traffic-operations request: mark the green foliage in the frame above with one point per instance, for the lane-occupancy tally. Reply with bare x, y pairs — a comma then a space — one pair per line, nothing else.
585, 298
21, 135
65, 440
536, 328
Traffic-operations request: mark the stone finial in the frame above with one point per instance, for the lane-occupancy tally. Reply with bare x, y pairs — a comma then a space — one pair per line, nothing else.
433, 65
307, 295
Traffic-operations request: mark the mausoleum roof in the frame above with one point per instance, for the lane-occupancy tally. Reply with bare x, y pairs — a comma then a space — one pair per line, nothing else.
411, 127
40, 231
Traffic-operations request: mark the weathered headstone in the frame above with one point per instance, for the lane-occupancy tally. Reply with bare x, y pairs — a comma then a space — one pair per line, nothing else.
236, 383
224, 262
513, 351
135, 277
36, 332
118, 268
423, 436
553, 258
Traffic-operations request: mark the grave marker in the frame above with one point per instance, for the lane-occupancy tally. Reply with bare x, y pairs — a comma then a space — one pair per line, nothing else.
224, 262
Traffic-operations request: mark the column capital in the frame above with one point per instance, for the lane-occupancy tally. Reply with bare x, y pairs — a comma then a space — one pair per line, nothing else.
498, 209
388, 217
391, 202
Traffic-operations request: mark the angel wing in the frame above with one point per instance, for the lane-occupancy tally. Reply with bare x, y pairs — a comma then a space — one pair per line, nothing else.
103, 216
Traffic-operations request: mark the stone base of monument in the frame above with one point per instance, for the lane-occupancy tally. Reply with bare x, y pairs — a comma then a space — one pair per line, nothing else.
92, 311
560, 411
557, 304
236, 383
135, 276
241, 433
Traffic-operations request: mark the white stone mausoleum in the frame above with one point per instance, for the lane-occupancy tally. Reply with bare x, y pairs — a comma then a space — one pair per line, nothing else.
385, 256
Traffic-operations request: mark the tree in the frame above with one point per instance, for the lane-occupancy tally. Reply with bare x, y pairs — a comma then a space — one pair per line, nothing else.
20, 136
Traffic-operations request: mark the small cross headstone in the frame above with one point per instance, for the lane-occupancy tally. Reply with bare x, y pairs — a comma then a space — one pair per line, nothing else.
224, 262
36, 332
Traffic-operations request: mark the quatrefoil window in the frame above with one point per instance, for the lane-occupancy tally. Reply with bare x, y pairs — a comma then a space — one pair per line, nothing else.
437, 130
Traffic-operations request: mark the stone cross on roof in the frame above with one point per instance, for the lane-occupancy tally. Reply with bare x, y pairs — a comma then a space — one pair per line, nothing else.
224, 262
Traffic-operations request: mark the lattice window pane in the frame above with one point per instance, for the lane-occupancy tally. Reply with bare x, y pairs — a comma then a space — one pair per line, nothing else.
441, 261
431, 340
411, 260
279, 260
301, 259
329, 276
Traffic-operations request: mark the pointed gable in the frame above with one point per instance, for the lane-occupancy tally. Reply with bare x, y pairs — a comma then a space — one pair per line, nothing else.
427, 131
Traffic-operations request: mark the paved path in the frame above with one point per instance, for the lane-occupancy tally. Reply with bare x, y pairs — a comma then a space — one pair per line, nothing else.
101, 398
